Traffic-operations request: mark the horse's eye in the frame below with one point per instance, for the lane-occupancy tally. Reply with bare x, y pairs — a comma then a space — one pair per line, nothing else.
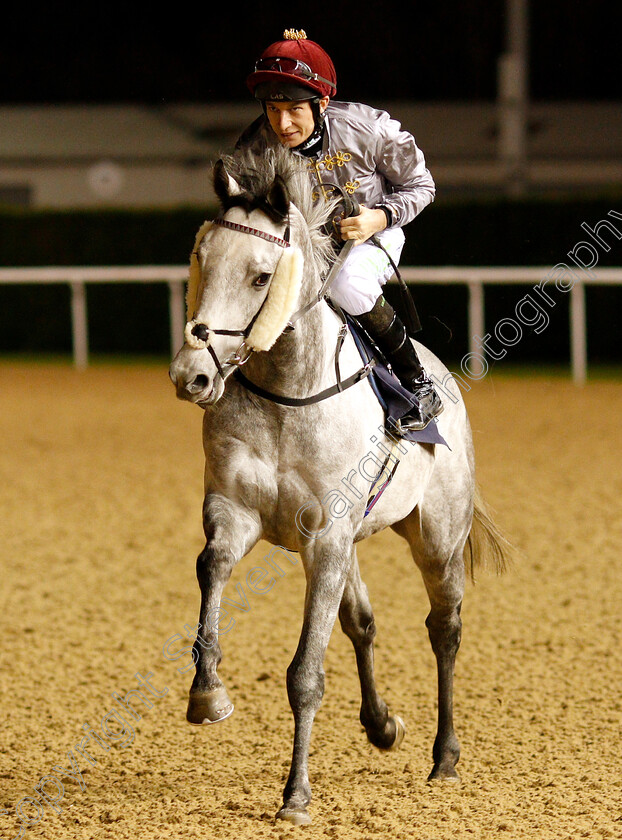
262, 281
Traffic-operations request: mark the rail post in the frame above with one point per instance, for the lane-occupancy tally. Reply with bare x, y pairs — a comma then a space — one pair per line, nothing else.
578, 337
476, 320
79, 324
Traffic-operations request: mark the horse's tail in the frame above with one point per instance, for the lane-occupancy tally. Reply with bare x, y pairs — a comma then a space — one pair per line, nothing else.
485, 542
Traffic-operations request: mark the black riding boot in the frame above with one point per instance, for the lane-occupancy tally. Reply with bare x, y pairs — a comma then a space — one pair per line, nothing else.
389, 334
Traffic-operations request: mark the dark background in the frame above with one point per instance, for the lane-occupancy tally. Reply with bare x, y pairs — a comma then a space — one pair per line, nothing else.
391, 50
417, 51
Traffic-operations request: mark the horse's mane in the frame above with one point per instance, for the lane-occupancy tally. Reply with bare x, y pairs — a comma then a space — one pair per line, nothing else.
256, 173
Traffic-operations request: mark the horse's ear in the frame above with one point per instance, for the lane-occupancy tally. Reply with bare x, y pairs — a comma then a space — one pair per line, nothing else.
278, 197
224, 184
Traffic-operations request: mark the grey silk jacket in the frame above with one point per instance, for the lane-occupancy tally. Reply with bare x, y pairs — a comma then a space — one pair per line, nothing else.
369, 155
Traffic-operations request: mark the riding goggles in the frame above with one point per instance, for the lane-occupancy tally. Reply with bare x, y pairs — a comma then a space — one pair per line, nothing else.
293, 67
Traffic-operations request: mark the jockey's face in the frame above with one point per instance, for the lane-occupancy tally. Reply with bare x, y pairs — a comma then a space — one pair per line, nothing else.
292, 122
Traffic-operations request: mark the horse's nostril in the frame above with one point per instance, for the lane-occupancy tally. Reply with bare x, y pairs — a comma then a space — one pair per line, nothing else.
200, 383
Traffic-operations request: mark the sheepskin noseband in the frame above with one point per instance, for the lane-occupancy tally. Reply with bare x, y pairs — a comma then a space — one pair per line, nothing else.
279, 304
194, 278
281, 301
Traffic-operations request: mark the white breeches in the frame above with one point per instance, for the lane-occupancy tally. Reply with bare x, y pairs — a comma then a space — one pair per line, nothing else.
359, 284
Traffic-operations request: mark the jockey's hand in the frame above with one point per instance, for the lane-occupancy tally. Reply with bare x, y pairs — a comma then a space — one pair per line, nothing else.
361, 227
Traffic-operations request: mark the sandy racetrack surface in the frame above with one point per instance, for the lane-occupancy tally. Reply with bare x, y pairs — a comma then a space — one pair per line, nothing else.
101, 477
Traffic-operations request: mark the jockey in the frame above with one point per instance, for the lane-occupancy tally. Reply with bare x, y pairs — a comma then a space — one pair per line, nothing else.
369, 156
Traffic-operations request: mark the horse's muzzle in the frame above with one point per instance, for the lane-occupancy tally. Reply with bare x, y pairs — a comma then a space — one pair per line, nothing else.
192, 383
199, 390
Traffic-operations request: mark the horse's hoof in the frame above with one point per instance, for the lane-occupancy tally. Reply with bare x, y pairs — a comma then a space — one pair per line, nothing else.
296, 816
390, 737
400, 731
444, 774
209, 706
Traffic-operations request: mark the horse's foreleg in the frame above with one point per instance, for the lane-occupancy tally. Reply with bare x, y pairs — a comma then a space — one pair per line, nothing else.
357, 622
326, 573
208, 701
445, 585
230, 534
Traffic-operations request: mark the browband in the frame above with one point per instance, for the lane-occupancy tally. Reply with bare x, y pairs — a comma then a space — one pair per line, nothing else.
260, 233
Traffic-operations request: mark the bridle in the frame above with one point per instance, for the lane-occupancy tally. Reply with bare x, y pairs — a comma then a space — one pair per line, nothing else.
198, 335
262, 234
201, 332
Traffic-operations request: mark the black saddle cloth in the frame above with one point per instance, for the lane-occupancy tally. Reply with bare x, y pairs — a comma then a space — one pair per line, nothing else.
396, 401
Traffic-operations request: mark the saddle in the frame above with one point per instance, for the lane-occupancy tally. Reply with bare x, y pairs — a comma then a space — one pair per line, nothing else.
396, 401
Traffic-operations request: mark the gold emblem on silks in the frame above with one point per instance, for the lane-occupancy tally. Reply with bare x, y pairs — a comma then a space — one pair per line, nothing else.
328, 164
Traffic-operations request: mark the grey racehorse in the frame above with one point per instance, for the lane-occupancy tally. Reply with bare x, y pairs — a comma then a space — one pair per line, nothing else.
282, 472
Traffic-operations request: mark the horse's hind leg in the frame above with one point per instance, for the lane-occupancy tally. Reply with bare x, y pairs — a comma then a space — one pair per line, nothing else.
445, 586
357, 622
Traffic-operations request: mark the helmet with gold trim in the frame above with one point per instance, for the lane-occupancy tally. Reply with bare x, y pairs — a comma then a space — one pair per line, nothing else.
294, 69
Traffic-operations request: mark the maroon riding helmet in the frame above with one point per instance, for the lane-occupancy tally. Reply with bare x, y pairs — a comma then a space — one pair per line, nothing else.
294, 69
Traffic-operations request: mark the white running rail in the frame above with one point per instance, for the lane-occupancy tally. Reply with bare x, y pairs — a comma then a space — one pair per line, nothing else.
475, 278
